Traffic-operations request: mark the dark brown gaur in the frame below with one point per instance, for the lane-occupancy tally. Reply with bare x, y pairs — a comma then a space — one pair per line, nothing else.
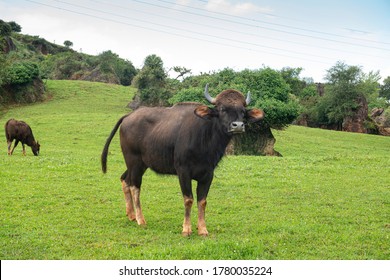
20, 132
187, 140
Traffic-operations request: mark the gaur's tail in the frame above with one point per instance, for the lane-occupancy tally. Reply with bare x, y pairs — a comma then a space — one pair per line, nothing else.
105, 149
6, 130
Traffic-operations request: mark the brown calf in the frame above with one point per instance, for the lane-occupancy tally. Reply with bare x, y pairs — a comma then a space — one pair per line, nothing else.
20, 132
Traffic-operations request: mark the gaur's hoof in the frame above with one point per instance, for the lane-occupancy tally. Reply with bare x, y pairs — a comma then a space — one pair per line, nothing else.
186, 233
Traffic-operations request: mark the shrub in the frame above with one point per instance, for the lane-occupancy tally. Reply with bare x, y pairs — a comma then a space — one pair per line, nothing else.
269, 91
22, 72
152, 84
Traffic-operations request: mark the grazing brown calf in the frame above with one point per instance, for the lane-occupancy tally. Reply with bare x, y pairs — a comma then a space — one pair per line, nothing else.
20, 132
187, 140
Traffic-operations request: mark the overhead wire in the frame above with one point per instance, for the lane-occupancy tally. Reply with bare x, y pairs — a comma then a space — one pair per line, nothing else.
254, 24
273, 15
240, 32
278, 39
177, 34
176, 29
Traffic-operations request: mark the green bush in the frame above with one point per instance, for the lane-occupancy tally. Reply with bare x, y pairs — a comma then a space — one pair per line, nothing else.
269, 91
152, 83
278, 114
5, 28
188, 95
22, 72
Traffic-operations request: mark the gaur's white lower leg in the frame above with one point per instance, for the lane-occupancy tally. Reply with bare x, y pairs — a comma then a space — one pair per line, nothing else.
129, 201
135, 192
188, 201
202, 230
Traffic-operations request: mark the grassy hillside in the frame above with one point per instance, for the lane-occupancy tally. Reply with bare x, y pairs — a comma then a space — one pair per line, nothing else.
327, 198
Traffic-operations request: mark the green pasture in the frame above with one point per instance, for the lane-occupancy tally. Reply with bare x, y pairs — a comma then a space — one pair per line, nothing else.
328, 197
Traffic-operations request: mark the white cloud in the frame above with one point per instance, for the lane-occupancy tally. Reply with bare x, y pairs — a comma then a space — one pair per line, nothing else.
183, 2
238, 9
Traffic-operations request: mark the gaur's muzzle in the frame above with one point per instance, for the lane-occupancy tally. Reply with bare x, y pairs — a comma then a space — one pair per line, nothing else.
237, 127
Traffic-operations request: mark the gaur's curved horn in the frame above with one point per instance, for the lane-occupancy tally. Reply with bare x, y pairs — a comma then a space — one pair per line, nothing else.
207, 95
248, 98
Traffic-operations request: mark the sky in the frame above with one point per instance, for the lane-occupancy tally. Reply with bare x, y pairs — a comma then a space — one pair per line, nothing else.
210, 35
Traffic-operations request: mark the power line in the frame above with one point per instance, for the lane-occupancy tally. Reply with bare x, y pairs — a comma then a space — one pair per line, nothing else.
212, 38
218, 28
273, 15
176, 34
192, 31
246, 33
257, 26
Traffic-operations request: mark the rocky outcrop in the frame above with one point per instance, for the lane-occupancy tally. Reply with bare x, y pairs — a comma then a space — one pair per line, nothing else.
8, 45
381, 118
257, 140
356, 121
22, 93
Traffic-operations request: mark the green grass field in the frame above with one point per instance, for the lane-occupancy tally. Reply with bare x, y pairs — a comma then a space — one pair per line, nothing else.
327, 198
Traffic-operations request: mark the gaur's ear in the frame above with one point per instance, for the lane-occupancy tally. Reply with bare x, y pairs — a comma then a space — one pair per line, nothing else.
205, 112
255, 115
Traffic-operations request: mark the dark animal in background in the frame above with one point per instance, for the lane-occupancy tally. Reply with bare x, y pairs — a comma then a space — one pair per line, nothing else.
20, 132
187, 140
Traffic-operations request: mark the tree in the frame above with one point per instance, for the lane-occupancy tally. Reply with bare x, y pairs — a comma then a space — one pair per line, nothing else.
107, 60
152, 84
5, 29
15, 27
111, 63
126, 72
342, 92
273, 95
348, 89
68, 43
385, 89
182, 71
291, 76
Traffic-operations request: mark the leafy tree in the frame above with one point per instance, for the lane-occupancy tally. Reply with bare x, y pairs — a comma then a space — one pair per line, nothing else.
15, 27
107, 60
342, 92
270, 92
126, 71
68, 43
308, 100
62, 66
152, 83
346, 86
182, 71
152, 73
5, 29
110, 62
291, 76
370, 88
385, 89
